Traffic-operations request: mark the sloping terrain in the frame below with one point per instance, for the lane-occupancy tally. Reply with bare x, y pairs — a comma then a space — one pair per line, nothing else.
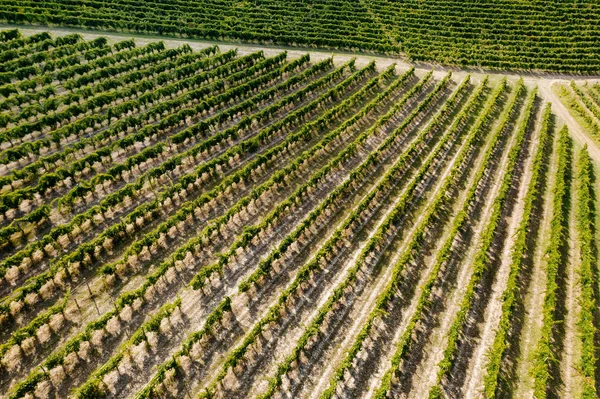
183, 222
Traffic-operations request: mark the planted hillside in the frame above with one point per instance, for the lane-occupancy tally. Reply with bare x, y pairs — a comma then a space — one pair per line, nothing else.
210, 224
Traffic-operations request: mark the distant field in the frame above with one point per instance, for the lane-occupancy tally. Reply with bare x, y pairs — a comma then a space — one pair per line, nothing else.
546, 35
178, 223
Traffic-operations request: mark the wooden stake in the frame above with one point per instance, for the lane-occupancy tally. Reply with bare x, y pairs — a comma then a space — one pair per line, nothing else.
92, 297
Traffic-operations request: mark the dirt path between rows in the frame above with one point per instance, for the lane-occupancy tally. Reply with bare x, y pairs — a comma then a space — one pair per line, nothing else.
474, 381
571, 345
89, 308
429, 258
370, 302
426, 371
534, 301
247, 324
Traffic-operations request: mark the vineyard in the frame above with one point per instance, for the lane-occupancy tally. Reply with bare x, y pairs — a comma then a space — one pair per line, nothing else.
205, 224
547, 35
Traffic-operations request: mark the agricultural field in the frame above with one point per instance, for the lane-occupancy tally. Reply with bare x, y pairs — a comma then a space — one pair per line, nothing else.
212, 223
548, 35
583, 102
